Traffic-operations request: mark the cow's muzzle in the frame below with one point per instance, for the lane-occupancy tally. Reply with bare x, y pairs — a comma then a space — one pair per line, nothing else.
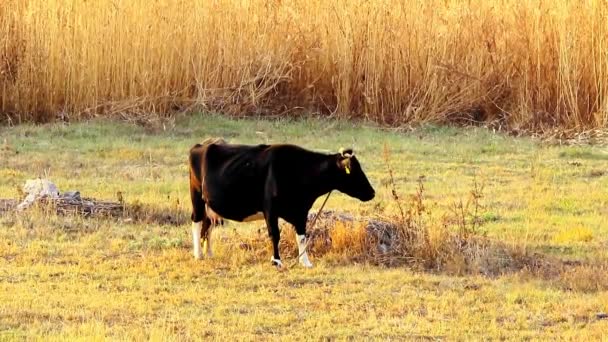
368, 196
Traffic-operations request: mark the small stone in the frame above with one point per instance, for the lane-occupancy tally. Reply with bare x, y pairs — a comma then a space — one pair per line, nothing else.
73, 195
601, 315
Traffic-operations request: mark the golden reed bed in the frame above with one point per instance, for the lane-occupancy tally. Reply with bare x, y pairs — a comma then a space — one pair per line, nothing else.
527, 64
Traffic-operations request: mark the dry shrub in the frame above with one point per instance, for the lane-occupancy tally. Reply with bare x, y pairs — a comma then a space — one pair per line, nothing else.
349, 238
526, 64
445, 243
345, 238
417, 235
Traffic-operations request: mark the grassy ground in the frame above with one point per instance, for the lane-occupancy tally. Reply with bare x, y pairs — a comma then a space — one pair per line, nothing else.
69, 278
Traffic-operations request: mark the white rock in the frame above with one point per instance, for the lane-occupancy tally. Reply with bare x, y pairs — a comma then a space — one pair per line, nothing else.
35, 189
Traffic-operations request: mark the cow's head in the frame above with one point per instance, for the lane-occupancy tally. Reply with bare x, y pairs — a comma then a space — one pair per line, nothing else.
350, 178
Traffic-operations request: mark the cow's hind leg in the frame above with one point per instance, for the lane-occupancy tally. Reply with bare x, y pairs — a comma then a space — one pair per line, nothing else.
199, 219
207, 228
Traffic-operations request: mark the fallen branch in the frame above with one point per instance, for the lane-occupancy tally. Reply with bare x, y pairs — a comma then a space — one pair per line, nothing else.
86, 207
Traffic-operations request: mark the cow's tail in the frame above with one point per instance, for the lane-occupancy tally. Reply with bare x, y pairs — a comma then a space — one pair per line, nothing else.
194, 166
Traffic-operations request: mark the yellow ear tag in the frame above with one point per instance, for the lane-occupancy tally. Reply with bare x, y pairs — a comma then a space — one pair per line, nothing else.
347, 169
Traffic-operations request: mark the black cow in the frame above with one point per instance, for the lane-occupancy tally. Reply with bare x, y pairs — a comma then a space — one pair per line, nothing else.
266, 182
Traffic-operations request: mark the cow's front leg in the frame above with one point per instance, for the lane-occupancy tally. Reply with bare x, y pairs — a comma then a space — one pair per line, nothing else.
272, 222
302, 244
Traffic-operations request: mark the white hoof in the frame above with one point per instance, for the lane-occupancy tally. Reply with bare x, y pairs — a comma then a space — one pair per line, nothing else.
276, 262
301, 240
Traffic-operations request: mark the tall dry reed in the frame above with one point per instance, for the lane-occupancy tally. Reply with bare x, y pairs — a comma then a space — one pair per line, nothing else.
526, 64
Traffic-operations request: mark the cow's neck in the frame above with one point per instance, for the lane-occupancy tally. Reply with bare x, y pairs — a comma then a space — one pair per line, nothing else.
320, 192
310, 200
324, 184
318, 183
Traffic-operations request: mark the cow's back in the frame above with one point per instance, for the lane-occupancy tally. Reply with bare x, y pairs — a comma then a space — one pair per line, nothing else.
233, 179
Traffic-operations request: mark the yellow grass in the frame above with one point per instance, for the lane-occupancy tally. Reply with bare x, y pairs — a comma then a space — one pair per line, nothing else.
575, 234
73, 278
530, 64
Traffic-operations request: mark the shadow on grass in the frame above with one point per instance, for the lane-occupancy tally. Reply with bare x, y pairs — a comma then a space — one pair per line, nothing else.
150, 214
413, 238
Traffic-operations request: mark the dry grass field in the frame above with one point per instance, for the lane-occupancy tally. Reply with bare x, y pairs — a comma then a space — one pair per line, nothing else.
542, 274
527, 65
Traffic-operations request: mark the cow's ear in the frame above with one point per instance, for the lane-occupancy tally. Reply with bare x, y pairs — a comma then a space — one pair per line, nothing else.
346, 152
344, 164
